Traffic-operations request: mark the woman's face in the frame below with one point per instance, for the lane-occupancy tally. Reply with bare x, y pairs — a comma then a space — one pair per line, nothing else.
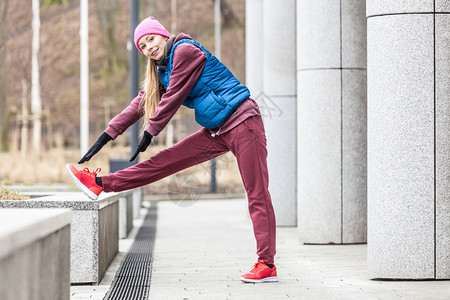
152, 45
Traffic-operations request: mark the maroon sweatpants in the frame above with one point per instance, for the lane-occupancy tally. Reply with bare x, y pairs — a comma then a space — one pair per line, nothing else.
247, 141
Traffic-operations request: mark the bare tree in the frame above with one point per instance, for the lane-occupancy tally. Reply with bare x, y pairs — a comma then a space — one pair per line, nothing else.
106, 10
3, 110
24, 121
229, 18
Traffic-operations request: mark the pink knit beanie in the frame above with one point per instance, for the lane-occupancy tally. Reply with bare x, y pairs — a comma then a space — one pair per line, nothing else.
149, 26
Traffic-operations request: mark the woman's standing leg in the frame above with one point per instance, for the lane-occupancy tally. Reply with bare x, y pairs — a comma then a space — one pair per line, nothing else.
248, 143
192, 150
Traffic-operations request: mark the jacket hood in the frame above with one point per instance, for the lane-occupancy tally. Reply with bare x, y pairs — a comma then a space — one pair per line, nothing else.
183, 36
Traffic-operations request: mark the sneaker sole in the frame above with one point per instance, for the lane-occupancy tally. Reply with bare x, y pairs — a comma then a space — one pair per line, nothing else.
267, 279
81, 186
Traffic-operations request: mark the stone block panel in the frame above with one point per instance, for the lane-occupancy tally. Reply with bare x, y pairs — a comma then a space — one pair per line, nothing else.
401, 146
318, 34
386, 7
354, 156
354, 30
319, 156
254, 54
280, 127
84, 242
279, 48
442, 146
443, 6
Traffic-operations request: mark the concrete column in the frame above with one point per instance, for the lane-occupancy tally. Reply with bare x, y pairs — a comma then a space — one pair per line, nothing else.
278, 102
254, 58
331, 73
408, 139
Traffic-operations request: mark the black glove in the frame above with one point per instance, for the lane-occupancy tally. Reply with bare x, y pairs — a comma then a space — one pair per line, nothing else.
146, 139
102, 140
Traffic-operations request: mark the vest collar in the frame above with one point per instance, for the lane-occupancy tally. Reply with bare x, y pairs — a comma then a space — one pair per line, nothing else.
162, 62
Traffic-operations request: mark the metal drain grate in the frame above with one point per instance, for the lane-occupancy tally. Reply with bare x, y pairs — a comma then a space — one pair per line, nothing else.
132, 281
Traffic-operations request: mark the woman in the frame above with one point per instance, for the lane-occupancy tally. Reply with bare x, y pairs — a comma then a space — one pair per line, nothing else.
180, 71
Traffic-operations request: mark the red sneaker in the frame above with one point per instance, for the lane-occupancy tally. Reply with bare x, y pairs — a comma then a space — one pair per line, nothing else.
85, 180
261, 273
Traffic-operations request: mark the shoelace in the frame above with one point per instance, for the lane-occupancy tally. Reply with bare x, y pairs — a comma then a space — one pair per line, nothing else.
258, 267
96, 171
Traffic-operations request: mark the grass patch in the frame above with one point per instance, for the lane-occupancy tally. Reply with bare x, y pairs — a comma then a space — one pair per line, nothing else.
7, 194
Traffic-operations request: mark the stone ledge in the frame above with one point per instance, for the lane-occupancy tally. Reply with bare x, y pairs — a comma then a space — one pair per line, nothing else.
94, 231
126, 203
19, 227
35, 254
74, 201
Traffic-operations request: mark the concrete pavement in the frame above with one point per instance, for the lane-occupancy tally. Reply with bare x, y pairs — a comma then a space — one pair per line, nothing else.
202, 249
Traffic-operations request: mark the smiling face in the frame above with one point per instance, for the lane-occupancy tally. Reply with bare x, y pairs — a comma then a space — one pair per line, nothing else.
152, 45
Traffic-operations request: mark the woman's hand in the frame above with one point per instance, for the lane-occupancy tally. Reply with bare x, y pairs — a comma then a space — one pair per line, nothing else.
102, 140
146, 139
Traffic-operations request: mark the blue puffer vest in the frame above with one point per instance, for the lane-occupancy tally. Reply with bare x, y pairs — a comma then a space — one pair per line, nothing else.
217, 92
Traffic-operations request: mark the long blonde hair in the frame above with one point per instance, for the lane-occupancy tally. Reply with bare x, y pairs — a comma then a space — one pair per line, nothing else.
151, 98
